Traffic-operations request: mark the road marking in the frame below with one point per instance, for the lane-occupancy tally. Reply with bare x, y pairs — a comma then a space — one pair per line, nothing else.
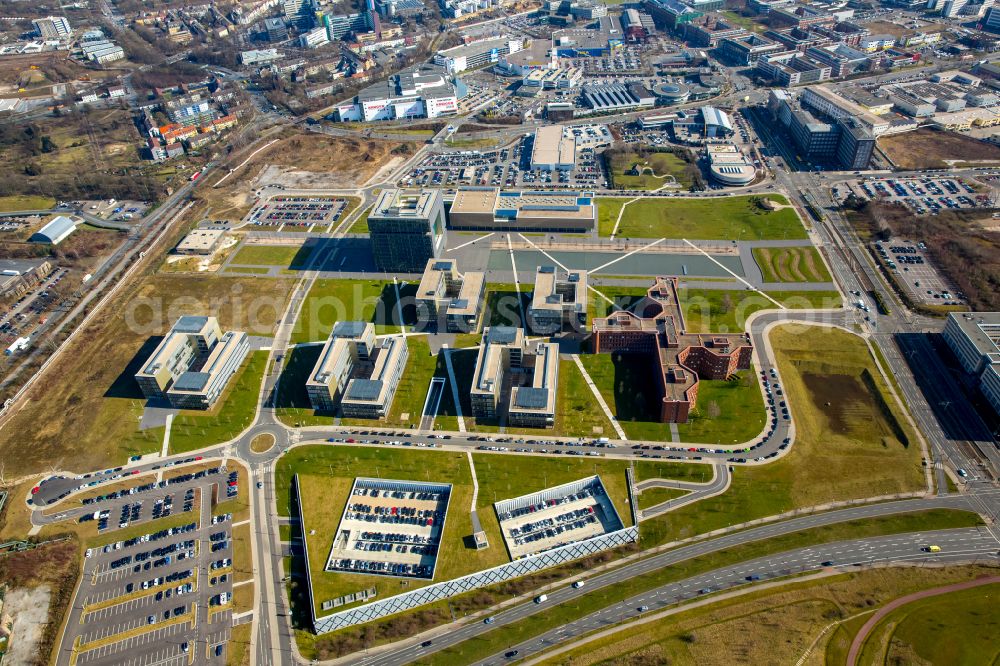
475, 240
627, 255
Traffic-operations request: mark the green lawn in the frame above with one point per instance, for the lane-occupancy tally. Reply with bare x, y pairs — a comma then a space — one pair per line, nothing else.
499, 639
607, 213
727, 310
715, 218
330, 301
233, 412
955, 628
501, 304
655, 496
851, 441
14, 203
727, 412
791, 264
360, 225
272, 255
654, 170
327, 471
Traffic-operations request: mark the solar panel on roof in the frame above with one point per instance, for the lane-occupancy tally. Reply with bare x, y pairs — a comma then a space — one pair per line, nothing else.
364, 389
546, 269
349, 329
191, 381
530, 397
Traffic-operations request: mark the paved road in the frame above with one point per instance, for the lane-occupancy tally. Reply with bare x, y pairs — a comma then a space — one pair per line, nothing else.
698, 491
965, 543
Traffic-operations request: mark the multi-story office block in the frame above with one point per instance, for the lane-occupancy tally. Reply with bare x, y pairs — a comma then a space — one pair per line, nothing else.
974, 337
192, 365
407, 227
558, 302
515, 379
448, 300
655, 327
357, 372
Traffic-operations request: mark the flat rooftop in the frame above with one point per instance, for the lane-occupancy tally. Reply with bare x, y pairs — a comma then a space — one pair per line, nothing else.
393, 203
552, 146
555, 290
982, 329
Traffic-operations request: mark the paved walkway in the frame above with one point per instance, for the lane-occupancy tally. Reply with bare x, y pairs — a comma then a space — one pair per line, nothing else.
456, 399
859, 638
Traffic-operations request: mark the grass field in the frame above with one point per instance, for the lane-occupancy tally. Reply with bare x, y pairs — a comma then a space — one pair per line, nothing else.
482, 646
98, 401
933, 149
791, 264
851, 441
656, 169
233, 412
717, 310
289, 256
655, 496
729, 631
14, 203
717, 218
502, 305
626, 382
328, 471
360, 225
955, 628
330, 301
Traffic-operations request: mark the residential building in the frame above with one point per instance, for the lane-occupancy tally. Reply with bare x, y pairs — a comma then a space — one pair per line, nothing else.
558, 301
654, 327
448, 300
974, 337
19, 275
194, 362
508, 365
357, 372
407, 227
490, 209
53, 27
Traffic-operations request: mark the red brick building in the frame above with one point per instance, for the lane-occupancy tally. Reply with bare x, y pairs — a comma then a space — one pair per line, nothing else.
655, 327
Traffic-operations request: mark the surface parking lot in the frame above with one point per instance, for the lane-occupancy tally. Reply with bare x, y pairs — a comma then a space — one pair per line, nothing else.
391, 528
556, 517
511, 167
279, 211
915, 270
162, 596
921, 195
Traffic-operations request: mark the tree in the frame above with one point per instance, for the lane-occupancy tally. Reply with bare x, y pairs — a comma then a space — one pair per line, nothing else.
48, 145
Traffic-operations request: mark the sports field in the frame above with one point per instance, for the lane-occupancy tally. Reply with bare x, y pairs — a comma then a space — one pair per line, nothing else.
703, 218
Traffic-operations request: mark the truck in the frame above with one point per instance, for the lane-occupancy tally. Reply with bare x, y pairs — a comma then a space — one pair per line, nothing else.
195, 176
18, 345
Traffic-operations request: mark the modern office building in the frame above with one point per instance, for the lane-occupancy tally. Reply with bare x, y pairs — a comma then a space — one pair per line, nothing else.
528, 372
194, 362
728, 165
558, 301
448, 300
407, 227
553, 149
420, 92
276, 29
357, 371
974, 337
654, 327
477, 54
53, 27
829, 103
746, 49
339, 25
847, 140
299, 12
490, 209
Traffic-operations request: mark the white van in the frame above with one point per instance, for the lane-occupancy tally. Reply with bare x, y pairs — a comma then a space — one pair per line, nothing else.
541, 599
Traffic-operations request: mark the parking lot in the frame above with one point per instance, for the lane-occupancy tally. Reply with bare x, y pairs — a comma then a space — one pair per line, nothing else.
302, 212
915, 270
511, 167
391, 528
921, 195
161, 595
555, 517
